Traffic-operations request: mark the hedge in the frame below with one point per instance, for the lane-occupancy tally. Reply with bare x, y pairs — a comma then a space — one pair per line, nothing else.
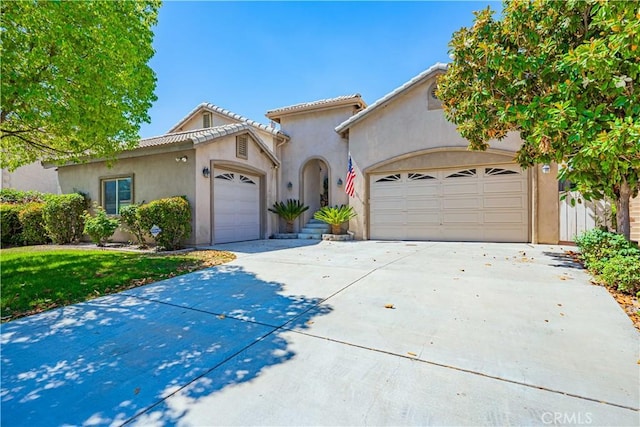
10, 221
172, 215
32, 221
63, 217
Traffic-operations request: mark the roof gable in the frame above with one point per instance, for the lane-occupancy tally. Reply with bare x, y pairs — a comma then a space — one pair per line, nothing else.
430, 72
207, 106
202, 136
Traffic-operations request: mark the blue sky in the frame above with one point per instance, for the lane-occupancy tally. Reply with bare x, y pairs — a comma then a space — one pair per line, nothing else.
250, 57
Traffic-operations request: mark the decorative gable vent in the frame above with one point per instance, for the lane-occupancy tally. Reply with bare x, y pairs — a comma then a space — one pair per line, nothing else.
242, 146
433, 103
206, 120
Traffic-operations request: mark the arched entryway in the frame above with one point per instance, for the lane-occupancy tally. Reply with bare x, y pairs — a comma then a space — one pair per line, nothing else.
315, 186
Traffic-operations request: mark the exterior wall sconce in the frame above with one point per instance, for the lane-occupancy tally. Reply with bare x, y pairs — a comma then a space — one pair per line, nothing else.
206, 172
289, 185
339, 182
546, 168
182, 159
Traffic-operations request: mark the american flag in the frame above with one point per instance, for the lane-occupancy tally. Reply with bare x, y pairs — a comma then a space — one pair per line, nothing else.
351, 179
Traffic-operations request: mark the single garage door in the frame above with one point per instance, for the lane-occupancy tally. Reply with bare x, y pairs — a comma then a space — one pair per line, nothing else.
487, 203
236, 206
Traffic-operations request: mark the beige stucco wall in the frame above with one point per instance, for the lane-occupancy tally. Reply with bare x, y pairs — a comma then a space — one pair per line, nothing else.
405, 134
546, 229
222, 153
313, 137
154, 177
31, 177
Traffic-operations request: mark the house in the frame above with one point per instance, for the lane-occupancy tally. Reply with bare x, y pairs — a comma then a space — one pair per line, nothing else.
415, 178
31, 177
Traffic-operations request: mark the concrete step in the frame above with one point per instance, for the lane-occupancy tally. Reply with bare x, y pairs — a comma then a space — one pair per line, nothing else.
316, 221
310, 236
320, 226
312, 230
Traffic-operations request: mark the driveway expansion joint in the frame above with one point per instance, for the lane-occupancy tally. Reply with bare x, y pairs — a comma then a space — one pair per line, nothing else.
470, 371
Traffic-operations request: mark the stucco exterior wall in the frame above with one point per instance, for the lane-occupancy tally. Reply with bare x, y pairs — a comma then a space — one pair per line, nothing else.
222, 153
154, 177
547, 206
313, 137
31, 177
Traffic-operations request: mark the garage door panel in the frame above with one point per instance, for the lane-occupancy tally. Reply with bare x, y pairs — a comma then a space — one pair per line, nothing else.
502, 186
505, 202
515, 217
475, 204
423, 218
462, 186
462, 217
461, 203
422, 190
427, 204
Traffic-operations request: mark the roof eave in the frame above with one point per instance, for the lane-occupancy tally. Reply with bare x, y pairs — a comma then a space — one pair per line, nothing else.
275, 115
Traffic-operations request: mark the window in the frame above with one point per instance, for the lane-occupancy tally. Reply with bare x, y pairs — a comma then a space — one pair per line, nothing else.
389, 178
433, 103
463, 174
242, 146
206, 120
116, 193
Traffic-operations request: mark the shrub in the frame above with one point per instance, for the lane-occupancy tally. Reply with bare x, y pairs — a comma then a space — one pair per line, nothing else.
32, 221
130, 220
614, 259
623, 272
99, 227
172, 215
289, 211
63, 217
598, 246
10, 222
335, 216
9, 195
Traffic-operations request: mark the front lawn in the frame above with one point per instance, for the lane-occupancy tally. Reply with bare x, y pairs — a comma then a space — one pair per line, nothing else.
36, 279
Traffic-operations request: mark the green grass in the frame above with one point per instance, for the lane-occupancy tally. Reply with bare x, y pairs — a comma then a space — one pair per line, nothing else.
37, 279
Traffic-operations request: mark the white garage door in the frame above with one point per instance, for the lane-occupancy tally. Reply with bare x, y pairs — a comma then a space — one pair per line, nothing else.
487, 203
236, 206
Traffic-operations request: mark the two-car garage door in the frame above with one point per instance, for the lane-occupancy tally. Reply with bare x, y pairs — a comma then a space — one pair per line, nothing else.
487, 203
236, 206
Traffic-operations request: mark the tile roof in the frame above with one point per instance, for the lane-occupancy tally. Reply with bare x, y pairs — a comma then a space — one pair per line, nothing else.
214, 108
439, 66
321, 103
200, 136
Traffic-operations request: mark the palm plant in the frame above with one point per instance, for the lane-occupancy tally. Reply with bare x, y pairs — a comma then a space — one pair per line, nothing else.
335, 216
289, 211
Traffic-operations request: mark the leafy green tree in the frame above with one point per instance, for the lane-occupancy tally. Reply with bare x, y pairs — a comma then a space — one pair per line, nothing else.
75, 79
565, 75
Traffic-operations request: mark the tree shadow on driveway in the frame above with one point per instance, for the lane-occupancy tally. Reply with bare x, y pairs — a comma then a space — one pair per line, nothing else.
105, 361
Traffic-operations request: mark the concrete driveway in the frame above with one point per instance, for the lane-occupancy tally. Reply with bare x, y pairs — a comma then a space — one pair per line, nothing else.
297, 333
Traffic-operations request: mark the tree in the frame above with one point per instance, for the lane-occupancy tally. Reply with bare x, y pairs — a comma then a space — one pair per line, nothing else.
565, 75
75, 79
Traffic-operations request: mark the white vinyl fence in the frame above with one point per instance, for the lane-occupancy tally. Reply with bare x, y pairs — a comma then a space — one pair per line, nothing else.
582, 216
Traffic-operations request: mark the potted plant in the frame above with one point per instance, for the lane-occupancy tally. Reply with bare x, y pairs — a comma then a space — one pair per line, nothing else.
288, 211
335, 216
